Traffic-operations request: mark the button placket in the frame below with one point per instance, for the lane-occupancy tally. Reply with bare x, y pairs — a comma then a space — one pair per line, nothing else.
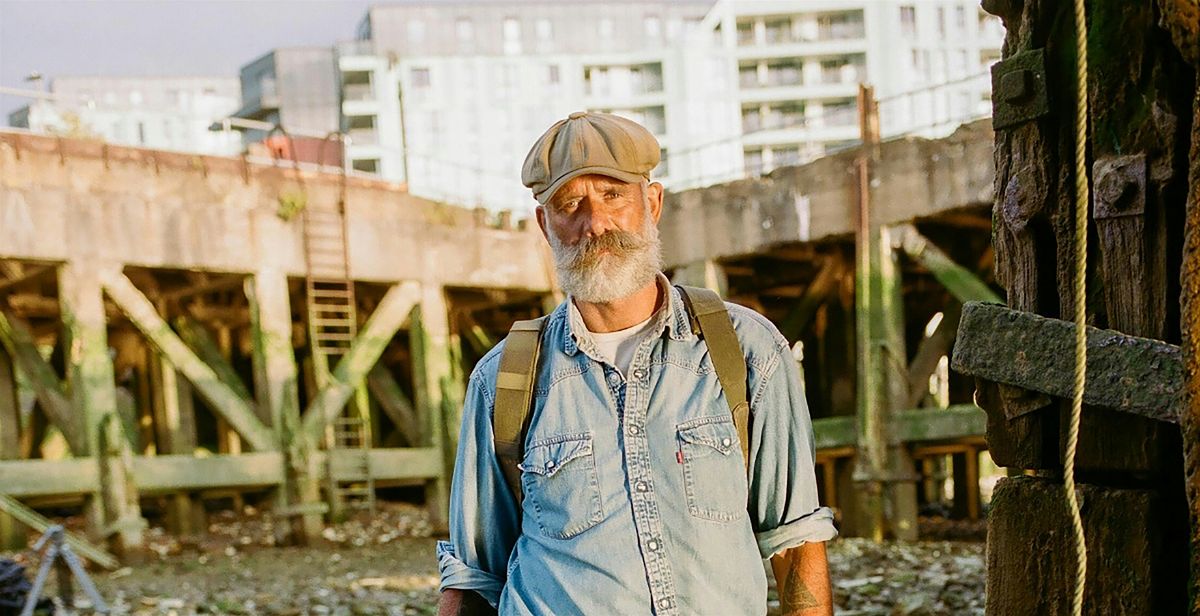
647, 520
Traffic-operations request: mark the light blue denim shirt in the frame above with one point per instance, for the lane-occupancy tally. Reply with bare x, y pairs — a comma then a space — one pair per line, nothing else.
636, 495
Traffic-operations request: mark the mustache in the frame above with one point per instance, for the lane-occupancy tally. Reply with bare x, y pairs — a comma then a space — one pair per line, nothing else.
587, 252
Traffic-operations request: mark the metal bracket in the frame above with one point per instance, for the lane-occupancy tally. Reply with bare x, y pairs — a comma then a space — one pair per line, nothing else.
1019, 89
1120, 183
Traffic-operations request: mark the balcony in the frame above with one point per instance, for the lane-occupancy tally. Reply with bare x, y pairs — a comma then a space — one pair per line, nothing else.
358, 92
363, 136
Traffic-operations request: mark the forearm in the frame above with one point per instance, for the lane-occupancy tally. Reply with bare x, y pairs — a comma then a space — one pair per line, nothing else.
802, 580
457, 602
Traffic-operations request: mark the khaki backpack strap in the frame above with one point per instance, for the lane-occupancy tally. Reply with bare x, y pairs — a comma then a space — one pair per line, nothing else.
514, 394
711, 318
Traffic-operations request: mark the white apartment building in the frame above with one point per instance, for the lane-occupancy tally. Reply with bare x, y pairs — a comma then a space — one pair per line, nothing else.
798, 64
449, 96
163, 113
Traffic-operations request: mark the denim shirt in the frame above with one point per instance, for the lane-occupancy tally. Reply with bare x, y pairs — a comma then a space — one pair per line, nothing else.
636, 493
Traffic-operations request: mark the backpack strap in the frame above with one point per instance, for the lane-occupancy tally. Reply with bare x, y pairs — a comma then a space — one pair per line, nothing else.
514, 395
711, 321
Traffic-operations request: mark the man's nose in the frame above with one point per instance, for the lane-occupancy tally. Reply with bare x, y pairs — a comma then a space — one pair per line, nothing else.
597, 223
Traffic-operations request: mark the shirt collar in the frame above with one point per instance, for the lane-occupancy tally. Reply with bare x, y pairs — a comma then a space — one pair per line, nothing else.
672, 318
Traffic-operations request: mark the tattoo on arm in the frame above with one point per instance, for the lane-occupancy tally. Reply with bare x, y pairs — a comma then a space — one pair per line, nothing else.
795, 595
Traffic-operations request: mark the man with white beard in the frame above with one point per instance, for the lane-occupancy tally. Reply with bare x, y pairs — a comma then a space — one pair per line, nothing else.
643, 447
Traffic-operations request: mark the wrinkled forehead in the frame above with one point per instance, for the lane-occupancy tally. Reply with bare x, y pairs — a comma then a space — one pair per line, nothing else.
579, 186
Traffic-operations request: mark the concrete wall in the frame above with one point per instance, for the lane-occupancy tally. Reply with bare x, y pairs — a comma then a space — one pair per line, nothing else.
915, 178
65, 200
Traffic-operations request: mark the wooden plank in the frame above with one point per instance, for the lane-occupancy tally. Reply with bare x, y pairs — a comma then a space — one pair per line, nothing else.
395, 404
814, 295
912, 426
1124, 373
172, 473
226, 402
37, 522
960, 281
18, 340
393, 309
206, 348
930, 351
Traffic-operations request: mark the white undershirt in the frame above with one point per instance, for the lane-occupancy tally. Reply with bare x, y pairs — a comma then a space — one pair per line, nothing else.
617, 347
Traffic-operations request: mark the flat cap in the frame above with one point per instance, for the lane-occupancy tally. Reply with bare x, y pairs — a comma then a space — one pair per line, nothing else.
589, 142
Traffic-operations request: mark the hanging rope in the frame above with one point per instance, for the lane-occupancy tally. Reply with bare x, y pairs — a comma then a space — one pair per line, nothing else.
1081, 226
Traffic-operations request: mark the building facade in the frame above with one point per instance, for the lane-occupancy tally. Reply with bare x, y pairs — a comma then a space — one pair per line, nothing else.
163, 113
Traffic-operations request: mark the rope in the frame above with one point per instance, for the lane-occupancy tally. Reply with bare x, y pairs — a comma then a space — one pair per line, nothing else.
1081, 225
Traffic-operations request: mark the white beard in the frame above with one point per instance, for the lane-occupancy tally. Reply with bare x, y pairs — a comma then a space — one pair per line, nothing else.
632, 263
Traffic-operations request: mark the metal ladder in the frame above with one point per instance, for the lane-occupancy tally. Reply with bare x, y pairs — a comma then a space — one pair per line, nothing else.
332, 325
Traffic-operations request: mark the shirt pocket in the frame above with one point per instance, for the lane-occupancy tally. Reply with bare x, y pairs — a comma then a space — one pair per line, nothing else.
714, 473
560, 481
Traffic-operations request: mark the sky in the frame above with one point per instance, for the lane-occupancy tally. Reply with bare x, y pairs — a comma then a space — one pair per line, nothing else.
130, 38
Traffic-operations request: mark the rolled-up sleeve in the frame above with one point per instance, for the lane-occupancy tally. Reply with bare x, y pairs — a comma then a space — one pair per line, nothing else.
783, 486
483, 516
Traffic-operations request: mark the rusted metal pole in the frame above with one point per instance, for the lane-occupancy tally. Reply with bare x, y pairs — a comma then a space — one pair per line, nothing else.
872, 437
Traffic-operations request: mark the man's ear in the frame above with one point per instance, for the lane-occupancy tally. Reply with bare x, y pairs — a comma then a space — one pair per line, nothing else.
540, 214
654, 198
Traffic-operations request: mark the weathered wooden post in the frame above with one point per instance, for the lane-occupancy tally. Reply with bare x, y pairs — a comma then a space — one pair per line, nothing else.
114, 510
1142, 95
429, 339
277, 389
882, 464
12, 533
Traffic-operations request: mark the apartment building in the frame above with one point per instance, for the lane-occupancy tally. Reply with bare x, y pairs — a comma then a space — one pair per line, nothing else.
163, 113
798, 65
450, 96
296, 88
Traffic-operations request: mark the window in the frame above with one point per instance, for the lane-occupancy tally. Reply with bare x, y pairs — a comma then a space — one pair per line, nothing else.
908, 21
420, 77
960, 18
941, 22
544, 29
661, 170
553, 76
366, 165
141, 133
135, 97
416, 31
606, 28
653, 27
512, 35
753, 161
464, 29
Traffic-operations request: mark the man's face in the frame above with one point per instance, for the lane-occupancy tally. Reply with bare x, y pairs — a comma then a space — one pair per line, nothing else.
604, 236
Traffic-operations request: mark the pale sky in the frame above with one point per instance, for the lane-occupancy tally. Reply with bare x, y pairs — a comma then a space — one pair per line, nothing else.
158, 37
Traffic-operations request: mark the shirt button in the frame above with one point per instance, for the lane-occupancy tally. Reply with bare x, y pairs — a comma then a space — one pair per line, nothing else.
634, 429
725, 442
642, 486
653, 545
664, 603
639, 374
551, 464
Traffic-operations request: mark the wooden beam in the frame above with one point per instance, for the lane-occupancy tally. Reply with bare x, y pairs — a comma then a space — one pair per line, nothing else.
25, 276
224, 400
362, 355
911, 426
172, 473
479, 339
18, 341
1124, 373
37, 522
930, 351
960, 281
116, 515
206, 348
395, 404
821, 286
224, 283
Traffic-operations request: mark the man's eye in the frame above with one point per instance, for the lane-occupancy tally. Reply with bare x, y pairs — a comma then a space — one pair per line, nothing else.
612, 195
